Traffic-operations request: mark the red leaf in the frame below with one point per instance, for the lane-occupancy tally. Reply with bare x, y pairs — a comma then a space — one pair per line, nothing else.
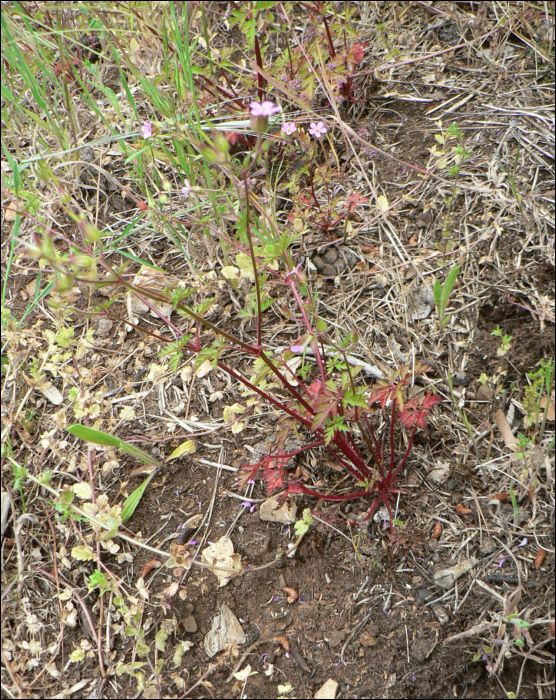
354, 199
415, 413
358, 51
249, 473
274, 472
430, 400
232, 137
314, 388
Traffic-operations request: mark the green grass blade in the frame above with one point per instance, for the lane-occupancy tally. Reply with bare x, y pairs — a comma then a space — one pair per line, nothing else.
132, 501
101, 438
449, 285
437, 293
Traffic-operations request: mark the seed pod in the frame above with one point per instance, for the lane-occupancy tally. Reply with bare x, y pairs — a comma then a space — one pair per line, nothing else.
551, 628
541, 554
283, 641
462, 510
437, 531
503, 497
151, 564
292, 594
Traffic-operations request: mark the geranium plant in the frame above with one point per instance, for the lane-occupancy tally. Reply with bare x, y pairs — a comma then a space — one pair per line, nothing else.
326, 404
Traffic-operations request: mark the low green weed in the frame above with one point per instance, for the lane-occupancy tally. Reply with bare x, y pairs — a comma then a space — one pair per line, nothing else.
505, 341
442, 293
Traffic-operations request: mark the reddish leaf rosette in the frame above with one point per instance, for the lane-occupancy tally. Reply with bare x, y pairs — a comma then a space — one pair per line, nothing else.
415, 412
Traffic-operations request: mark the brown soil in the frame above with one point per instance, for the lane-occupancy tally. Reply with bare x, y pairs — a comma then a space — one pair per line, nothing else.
368, 614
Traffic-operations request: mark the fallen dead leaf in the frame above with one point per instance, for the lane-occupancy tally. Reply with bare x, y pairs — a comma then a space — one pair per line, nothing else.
550, 415
148, 278
52, 393
225, 632
505, 430
221, 555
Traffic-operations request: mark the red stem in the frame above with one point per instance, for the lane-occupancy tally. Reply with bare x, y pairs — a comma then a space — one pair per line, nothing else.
314, 346
328, 36
372, 509
267, 397
237, 100
409, 446
391, 467
253, 261
260, 79
376, 455
353, 470
353, 453
385, 501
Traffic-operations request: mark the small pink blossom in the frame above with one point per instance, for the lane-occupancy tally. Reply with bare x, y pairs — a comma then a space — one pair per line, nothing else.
186, 189
317, 130
301, 343
289, 128
146, 130
248, 504
263, 109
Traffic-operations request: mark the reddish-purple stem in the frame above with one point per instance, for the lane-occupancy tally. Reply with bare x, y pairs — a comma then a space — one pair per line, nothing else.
376, 450
253, 262
391, 467
328, 35
409, 446
270, 399
353, 470
372, 509
385, 501
353, 454
260, 79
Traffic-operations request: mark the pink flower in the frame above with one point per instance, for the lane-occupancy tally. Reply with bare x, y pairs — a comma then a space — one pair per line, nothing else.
146, 130
248, 504
317, 130
186, 189
289, 128
263, 109
301, 343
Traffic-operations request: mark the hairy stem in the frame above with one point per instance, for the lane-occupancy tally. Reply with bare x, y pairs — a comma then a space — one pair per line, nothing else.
253, 259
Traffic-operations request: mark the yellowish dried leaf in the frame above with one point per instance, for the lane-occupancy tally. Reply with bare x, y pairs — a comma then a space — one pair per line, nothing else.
186, 448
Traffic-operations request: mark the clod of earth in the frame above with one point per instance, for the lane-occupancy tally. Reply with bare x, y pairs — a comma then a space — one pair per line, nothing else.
334, 261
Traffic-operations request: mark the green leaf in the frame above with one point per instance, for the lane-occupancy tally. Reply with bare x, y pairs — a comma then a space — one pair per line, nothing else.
98, 579
160, 640
101, 438
132, 501
301, 526
449, 284
136, 154
437, 292
321, 325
